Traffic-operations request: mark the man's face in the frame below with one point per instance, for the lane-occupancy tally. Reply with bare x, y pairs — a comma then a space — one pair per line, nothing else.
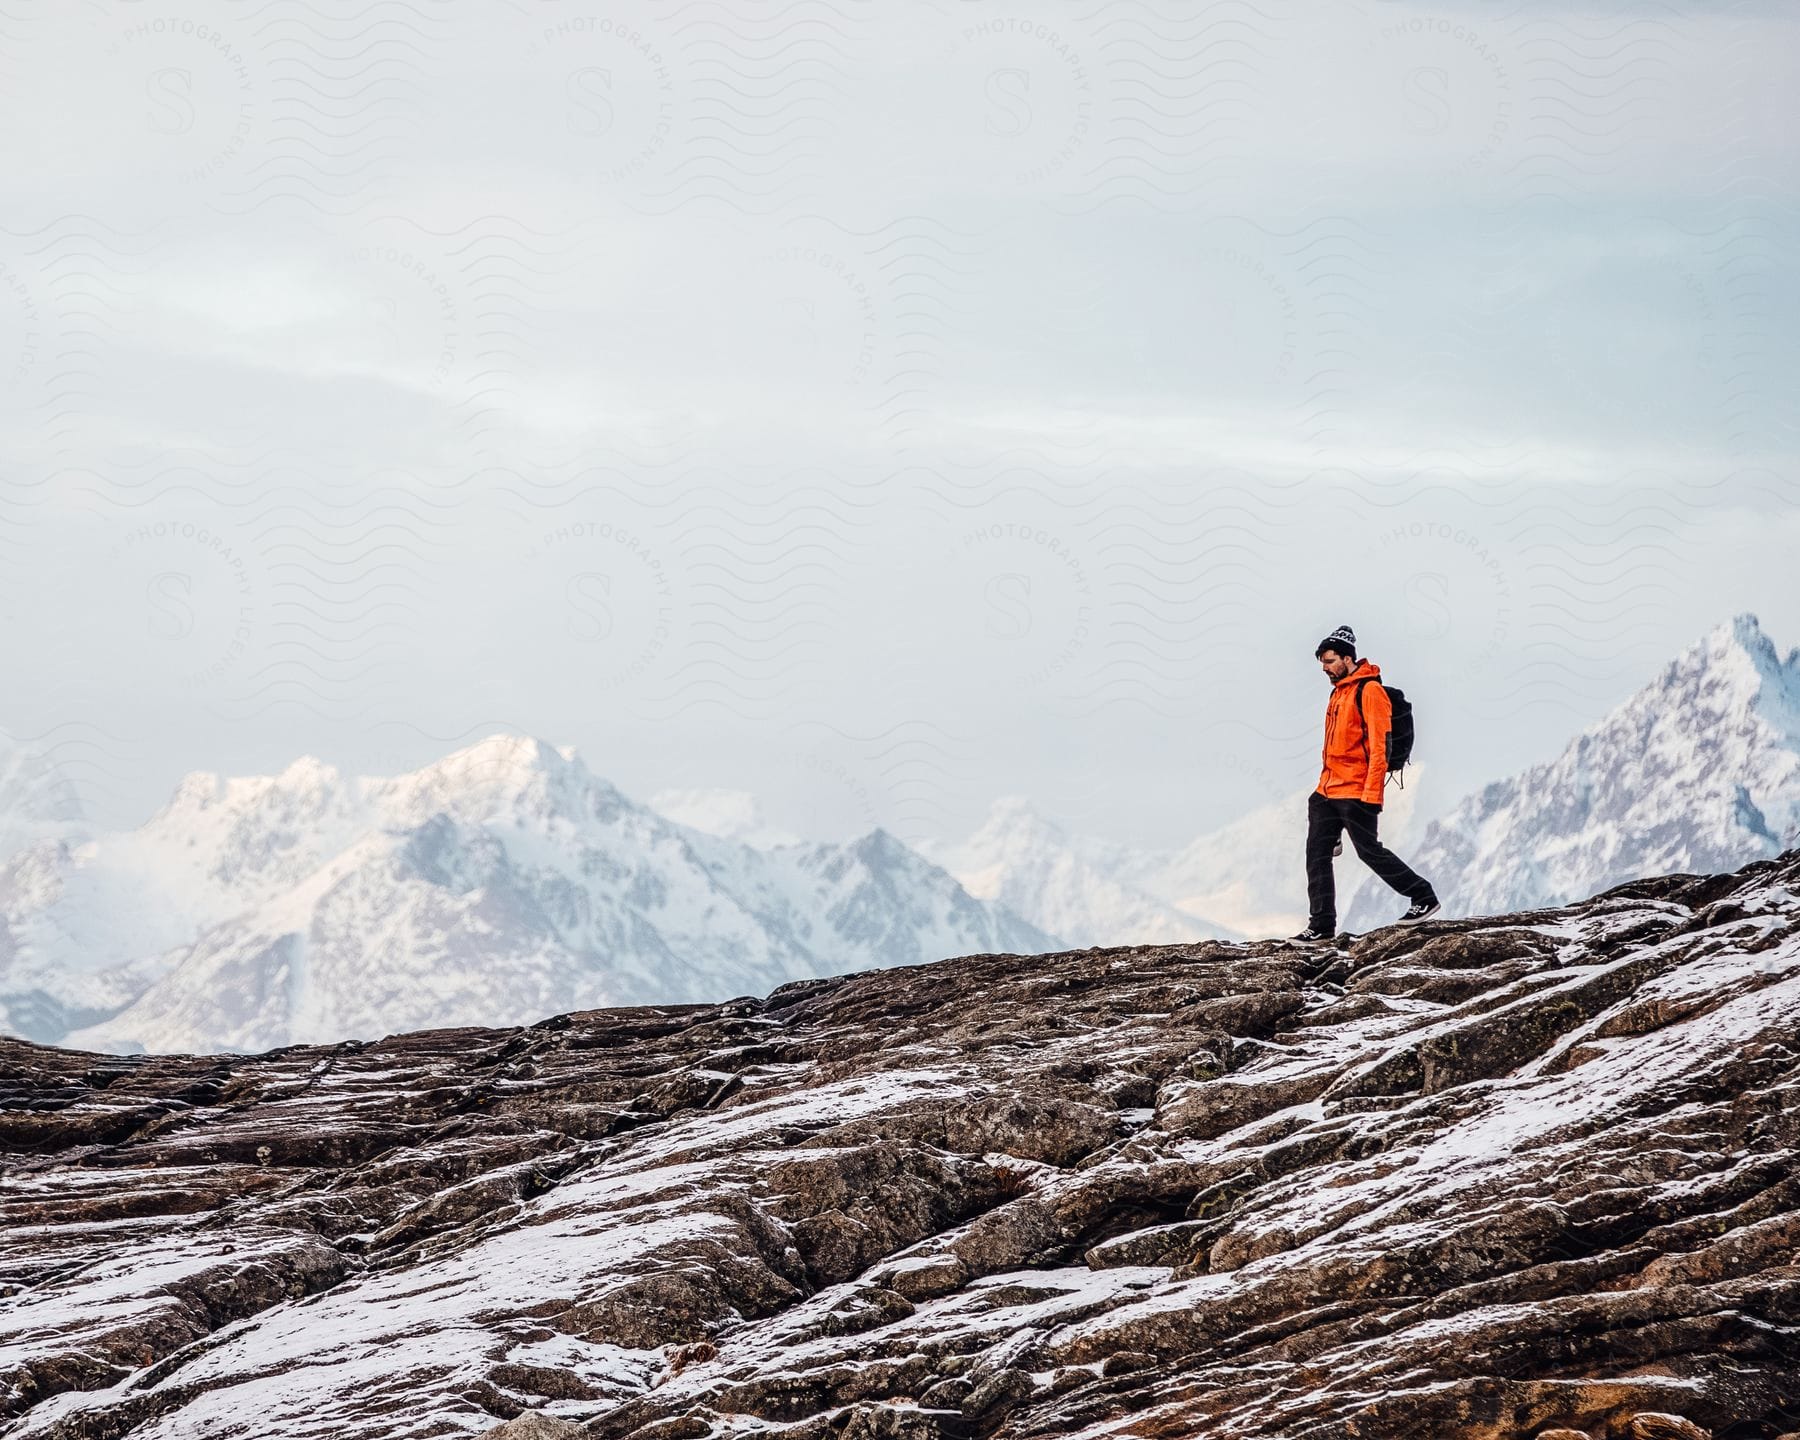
1335, 666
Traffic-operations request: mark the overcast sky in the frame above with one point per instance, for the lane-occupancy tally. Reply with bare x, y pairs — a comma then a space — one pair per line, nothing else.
882, 408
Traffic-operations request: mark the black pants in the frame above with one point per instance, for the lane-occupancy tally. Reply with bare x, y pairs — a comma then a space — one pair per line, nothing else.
1325, 821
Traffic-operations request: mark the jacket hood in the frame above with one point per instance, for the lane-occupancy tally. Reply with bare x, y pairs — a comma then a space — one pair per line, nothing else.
1364, 669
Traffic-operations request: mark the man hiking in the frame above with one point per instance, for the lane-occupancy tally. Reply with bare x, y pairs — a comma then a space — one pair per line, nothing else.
1348, 796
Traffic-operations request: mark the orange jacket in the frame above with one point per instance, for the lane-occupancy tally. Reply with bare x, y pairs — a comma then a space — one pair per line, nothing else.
1355, 752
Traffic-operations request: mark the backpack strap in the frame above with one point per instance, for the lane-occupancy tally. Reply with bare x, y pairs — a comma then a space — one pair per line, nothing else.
1399, 775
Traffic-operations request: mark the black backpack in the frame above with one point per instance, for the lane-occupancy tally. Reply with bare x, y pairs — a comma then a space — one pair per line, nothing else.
1400, 734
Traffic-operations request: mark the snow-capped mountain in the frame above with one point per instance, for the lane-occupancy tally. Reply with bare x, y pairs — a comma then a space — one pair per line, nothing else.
506, 882
729, 814
1067, 885
37, 801
1698, 771
41, 818
1246, 875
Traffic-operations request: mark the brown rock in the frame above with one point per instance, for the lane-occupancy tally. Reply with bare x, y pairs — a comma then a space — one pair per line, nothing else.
925, 1278
676, 1427
1655, 1425
1207, 1109
535, 1427
947, 1394
545, 1380
1053, 1129
882, 1422
998, 1394
1175, 1244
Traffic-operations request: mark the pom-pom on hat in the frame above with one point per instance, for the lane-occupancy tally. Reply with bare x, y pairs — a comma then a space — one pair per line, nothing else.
1342, 640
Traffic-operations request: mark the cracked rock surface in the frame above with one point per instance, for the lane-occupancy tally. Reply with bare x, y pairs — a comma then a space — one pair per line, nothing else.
1532, 1175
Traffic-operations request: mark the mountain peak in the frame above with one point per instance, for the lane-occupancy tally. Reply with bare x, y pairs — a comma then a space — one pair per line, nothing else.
498, 775
1016, 816
1740, 636
728, 814
879, 846
35, 795
1732, 667
197, 787
309, 771
503, 754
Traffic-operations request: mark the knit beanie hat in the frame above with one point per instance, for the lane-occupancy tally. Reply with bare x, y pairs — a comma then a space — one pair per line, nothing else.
1342, 640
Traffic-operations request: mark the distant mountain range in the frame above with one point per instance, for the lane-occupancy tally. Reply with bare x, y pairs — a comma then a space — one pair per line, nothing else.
507, 882
501, 884
1077, 887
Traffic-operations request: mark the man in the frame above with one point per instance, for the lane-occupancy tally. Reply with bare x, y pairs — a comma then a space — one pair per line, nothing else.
1348, 796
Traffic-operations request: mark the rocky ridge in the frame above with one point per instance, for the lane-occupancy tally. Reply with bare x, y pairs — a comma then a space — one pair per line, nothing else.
1535, 1175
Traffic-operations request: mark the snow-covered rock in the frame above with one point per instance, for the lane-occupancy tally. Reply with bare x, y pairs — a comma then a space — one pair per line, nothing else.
1532, 1175
500, 884
1698, 771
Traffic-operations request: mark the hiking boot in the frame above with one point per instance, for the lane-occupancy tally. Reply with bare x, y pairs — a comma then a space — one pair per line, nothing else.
1310, 934
1420, 909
